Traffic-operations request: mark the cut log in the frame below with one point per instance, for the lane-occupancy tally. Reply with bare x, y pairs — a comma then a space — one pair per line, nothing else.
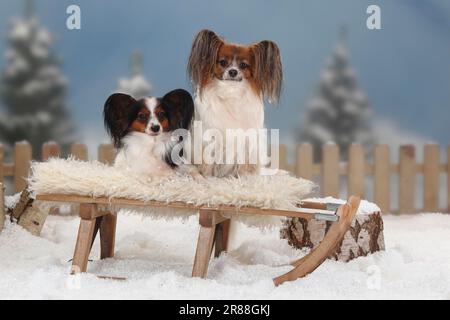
24, 202
365, 235
33, 219
28, 215
2, 206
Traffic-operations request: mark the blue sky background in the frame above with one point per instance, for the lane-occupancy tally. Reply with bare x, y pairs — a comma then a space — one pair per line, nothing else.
404, 68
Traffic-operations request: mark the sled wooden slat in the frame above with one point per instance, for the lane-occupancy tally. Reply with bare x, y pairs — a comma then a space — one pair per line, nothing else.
431, 178
305, 213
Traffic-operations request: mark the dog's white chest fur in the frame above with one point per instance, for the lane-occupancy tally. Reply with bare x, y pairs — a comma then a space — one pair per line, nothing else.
143, 154
229, 105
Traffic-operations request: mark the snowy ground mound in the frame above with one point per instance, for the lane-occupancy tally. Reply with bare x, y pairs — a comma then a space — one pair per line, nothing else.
156, 257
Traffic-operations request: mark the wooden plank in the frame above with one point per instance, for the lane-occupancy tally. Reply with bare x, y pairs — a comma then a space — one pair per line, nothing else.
304, 213
304, 162
79, 151
107, 236
83, 246
2, 159
431, 178
106, 154
356, 170
330, 170
407, 178
50, 150
381, 177
22, 163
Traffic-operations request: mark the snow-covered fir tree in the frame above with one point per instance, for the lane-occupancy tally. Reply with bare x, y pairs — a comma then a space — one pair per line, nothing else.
339, 112
135, 85
32, 88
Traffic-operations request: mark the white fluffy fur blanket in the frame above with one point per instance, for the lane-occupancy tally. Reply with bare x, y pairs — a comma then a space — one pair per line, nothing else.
69, 176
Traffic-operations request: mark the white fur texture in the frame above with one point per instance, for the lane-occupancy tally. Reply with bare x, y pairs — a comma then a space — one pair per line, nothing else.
69, 176
226, 105
229, 105
144, 154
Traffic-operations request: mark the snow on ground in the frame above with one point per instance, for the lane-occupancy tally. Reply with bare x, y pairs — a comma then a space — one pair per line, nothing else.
156, 257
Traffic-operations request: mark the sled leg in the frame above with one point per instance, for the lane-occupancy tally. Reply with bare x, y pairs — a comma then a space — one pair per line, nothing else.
221, 237
208, 220
84, 240
107, 235
98, 222
203, 252
317, 256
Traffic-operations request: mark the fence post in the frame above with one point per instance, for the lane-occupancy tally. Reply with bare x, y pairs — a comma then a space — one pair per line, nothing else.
283, 157
79, 151
330, 170
50, 149
448, 179
22, 162
356, 170
2, 159
106, 153
382, 177
431, 163
304, 161
407, 178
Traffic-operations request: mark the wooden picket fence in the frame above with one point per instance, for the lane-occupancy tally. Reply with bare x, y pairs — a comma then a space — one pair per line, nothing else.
328, 173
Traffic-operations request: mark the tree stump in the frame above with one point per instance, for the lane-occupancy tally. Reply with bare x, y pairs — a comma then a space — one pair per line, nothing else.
365, 235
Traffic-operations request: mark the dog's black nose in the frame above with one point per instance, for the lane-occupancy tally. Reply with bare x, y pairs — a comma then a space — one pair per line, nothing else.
155, 128
233, 73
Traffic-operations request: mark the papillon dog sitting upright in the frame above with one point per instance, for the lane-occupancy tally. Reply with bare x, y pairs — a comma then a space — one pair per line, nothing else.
231, 82
142, 131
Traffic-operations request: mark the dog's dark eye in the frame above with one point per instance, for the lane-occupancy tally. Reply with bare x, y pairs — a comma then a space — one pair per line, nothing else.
161, 114
142, 117
223, 62
243, 65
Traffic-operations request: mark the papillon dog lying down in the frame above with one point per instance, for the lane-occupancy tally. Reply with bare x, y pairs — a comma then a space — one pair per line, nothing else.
142, 131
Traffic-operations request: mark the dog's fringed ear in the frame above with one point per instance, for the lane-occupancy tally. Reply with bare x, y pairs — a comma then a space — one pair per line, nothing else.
203, 56
117, 114
179, 106
268, 70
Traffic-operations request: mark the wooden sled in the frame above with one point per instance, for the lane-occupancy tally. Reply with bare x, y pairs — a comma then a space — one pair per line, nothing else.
214, 227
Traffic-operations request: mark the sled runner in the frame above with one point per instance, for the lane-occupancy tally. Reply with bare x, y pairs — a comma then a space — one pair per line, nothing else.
214, 226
